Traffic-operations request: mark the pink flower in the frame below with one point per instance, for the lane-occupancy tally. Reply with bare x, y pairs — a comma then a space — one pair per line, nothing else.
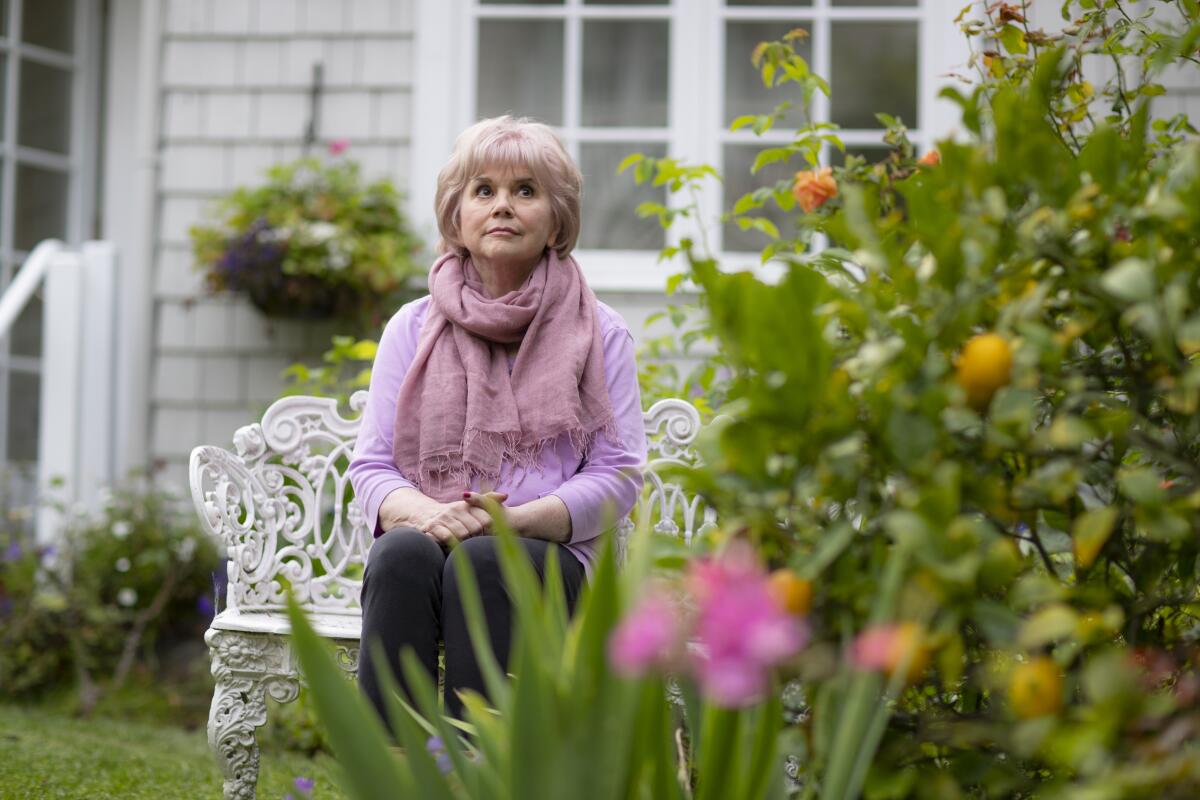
648, 637
742, 630
338, 146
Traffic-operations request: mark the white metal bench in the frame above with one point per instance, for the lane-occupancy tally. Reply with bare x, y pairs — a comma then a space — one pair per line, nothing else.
282, 507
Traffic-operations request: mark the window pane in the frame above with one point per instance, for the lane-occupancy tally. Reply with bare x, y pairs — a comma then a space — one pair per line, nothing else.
27, 330
23, 395
4, 18
45, 112
625, 2
521, 69
521, 2
49, 23
625, 67
874, 70
41, 206
738, 158
909, 3
767, 3
609, 199
744, 90
873, 154
3, 94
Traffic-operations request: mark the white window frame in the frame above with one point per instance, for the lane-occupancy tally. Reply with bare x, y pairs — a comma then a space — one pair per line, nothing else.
444, 96
79, 165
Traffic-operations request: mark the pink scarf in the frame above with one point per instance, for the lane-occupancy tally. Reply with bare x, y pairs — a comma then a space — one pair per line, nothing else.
461, 415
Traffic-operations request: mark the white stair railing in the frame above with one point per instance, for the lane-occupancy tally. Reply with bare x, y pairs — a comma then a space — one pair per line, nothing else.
76, 407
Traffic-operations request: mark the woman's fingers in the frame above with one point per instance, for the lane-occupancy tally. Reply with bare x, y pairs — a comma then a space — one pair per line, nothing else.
484, 500
440, 534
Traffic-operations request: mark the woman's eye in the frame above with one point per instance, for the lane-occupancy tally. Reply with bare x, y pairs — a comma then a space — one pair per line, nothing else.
483, 191
525, 191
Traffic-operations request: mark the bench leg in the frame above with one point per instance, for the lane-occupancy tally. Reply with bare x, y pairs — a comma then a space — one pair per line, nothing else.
247, 668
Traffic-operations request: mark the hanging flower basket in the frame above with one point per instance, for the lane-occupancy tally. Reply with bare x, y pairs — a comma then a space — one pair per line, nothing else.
313, 242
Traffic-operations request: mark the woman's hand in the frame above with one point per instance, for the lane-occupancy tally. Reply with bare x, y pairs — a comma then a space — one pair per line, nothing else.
545, 518
445, 523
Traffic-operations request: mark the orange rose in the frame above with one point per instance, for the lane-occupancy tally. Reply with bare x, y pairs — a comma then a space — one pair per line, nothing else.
931, 158
814, 188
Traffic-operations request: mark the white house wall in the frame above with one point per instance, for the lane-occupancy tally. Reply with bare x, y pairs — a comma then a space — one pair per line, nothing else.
234, 98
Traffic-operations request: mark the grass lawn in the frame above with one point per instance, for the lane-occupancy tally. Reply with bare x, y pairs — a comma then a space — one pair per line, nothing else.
45, 755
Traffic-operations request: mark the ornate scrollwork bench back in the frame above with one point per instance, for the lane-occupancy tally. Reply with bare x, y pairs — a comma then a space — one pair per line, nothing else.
283, 508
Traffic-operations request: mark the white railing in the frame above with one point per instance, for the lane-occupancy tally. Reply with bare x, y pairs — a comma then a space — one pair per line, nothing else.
76, 407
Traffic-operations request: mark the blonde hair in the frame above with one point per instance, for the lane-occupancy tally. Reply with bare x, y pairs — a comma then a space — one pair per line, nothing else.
510, 142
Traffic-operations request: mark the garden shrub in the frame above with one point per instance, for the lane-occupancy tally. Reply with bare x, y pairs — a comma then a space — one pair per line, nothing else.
980, 404
109, 601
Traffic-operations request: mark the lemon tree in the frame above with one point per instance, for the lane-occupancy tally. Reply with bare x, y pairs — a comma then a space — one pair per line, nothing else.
969, 420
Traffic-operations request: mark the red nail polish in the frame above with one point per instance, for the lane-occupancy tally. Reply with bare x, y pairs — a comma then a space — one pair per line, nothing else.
466, 495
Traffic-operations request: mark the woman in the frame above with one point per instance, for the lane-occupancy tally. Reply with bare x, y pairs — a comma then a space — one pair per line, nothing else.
509, 379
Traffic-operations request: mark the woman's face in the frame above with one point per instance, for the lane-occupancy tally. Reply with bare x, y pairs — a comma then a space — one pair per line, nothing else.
505, 218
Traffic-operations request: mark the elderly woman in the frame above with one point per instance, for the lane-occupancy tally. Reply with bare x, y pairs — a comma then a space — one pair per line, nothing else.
510, 379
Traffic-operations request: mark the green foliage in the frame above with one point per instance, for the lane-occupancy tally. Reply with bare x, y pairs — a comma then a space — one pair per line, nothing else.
564, 724
314, 240
345, 369
1058, 521
111, 597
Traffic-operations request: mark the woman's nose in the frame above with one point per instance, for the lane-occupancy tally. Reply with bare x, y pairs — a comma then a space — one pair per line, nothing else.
503, 204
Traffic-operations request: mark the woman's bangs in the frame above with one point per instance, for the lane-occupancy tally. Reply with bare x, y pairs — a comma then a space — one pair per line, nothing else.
511, 152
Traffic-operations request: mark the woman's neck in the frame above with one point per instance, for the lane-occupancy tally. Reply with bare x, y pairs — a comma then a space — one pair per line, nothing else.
501, 278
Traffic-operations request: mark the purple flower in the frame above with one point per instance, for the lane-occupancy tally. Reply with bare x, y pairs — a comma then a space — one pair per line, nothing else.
304, 785
437, 749
47, 552
204, 605
12, 552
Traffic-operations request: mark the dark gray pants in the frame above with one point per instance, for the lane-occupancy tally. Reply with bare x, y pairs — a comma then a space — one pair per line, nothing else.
410, 598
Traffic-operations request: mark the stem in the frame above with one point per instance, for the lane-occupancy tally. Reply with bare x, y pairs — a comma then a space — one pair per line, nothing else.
129, 653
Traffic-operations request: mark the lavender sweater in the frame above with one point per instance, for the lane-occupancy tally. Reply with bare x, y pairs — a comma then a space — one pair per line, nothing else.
601, 486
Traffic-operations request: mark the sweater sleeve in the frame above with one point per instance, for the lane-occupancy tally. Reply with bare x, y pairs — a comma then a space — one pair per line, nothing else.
372, 472
608, 483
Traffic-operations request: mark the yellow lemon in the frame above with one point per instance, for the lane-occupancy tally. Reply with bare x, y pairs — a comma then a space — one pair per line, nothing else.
909, 644
790, 591
1035, 688
984, 365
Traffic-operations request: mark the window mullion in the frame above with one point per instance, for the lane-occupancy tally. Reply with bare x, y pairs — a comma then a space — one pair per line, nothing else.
822, 55
9, 183
573, 82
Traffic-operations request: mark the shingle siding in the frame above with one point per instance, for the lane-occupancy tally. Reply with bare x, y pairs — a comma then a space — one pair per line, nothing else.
235, 80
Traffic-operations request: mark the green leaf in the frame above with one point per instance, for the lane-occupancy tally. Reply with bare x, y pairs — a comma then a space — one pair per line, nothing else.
743, 121
355, 732
1131, 280
1142, 485
1047, 626
1090, 531
770, 156
1013, 39
629, 161
745, 203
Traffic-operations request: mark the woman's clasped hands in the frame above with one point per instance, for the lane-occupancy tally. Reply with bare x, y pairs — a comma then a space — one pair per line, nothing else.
445, 523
